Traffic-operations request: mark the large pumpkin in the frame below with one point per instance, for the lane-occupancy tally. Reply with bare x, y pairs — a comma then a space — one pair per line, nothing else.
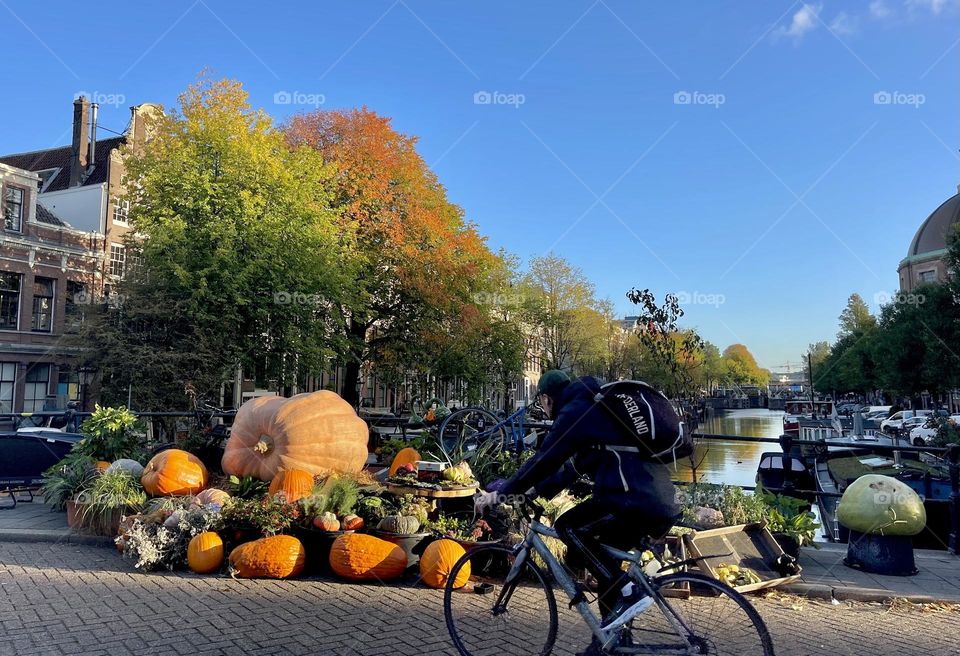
174, 473
205, 553
209, 496
294, 484
437, 562
881, 505
276, 557
362, 557
317, 432
405, 456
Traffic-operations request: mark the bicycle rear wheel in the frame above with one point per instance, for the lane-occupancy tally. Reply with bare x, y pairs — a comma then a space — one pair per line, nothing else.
463, 431
506, 619
716, 620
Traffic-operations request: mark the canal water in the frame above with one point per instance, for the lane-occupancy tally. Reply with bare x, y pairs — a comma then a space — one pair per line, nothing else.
734, 463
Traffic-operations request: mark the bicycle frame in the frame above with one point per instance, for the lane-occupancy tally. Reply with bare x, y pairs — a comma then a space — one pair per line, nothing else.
534, 541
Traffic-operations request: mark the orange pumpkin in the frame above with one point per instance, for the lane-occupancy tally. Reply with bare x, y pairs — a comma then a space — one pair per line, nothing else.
294, 484
406, 456
211, 495
362, 557
351, 523
205, 553
101, 465
275, 557
174, 473
317, 432
437, 562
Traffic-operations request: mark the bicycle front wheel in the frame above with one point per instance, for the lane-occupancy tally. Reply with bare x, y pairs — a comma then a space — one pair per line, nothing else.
490, 617
463, 431
715, 620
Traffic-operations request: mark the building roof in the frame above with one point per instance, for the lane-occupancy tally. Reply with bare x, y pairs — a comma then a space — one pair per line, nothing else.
51, 158
46, 216
932, 235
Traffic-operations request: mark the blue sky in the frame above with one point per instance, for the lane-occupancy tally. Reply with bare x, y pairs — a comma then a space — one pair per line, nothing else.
735, 152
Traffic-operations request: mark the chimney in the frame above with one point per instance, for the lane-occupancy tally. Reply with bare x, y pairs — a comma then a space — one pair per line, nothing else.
78, 153
92, 159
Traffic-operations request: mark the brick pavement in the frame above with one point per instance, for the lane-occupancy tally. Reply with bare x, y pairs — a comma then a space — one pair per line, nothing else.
75, 599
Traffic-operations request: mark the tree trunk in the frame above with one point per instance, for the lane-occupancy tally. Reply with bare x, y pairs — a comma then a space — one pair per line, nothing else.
351, 374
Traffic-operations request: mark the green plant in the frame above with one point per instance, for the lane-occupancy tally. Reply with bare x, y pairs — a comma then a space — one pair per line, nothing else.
372, 508
65, 479
114, 490
111, 434
736, 506
948, 432
786, 515
268, 515
246, 487
339, 495
411, 506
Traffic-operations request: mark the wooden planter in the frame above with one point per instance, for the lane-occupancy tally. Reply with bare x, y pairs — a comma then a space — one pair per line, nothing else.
75, 513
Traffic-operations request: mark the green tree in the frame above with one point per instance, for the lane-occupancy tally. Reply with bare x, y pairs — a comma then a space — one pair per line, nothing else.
856, 318
241, 259
742, 367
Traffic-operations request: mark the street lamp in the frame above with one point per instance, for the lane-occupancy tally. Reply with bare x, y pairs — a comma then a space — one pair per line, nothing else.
85, 374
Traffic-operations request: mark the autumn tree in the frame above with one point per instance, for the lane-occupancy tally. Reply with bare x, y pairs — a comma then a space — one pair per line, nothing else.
742, 367
418, 261
241, 259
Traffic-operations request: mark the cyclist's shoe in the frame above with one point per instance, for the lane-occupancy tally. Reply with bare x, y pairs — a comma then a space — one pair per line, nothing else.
626, 609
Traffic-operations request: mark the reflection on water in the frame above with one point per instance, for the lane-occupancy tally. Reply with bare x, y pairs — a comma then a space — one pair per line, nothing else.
734, 463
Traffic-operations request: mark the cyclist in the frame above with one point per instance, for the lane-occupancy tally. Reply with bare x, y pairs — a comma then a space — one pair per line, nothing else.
632, 498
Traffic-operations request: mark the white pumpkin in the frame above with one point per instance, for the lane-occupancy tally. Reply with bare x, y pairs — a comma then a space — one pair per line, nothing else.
127, 465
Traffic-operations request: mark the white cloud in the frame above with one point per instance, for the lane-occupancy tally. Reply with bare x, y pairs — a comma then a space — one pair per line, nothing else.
805, 20
880, 10
844, 23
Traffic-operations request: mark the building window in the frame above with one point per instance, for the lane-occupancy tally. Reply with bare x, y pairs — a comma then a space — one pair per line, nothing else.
36, 387
42, 305
118, 258
9, 301
928, 276
68, 386
77, 299
13, 208
121, 211
8, 379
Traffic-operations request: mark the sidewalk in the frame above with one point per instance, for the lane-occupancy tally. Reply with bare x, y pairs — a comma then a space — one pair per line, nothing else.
824, 574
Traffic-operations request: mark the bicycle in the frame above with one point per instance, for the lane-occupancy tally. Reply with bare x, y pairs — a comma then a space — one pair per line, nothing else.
478, 615
468, 428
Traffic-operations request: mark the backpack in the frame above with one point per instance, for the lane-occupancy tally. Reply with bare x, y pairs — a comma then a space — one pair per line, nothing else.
647, 419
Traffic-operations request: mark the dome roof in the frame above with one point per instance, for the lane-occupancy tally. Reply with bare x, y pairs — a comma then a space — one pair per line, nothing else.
932, 235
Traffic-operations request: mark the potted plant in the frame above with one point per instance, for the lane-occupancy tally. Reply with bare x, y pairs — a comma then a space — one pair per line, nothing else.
111, 434
107, 498
249, 519
323, 515
64, 480
404, 527
468, 532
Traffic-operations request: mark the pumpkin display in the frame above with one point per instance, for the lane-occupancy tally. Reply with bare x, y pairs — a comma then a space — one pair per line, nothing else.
174, 472
205, 553
294, 484
102, 465
351, 523
360, 557
405, 456
275, 557
127, 465
210, 496
327, 522
400, 524
881, 505
317, 432
437, 562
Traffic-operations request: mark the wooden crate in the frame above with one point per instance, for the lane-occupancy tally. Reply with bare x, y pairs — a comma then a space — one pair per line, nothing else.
746, 545
678, 550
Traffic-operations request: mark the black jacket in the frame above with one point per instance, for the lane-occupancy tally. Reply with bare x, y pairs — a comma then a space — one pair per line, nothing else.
576, 445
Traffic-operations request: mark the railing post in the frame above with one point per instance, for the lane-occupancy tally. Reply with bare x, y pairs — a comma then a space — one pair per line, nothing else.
786, 444
953, 454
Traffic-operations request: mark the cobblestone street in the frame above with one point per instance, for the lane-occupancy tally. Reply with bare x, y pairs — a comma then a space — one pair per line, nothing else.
73, 599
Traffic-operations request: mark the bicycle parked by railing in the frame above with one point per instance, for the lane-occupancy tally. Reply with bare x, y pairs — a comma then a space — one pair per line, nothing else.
465, 430
508, 605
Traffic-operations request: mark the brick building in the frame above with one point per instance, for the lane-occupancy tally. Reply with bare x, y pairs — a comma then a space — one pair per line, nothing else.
61, 247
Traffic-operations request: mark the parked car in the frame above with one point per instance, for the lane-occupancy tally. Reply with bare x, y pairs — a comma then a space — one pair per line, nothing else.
924, 434
895, 422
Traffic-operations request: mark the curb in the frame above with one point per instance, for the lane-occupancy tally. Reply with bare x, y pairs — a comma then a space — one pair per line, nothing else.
23, 535
866, 595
